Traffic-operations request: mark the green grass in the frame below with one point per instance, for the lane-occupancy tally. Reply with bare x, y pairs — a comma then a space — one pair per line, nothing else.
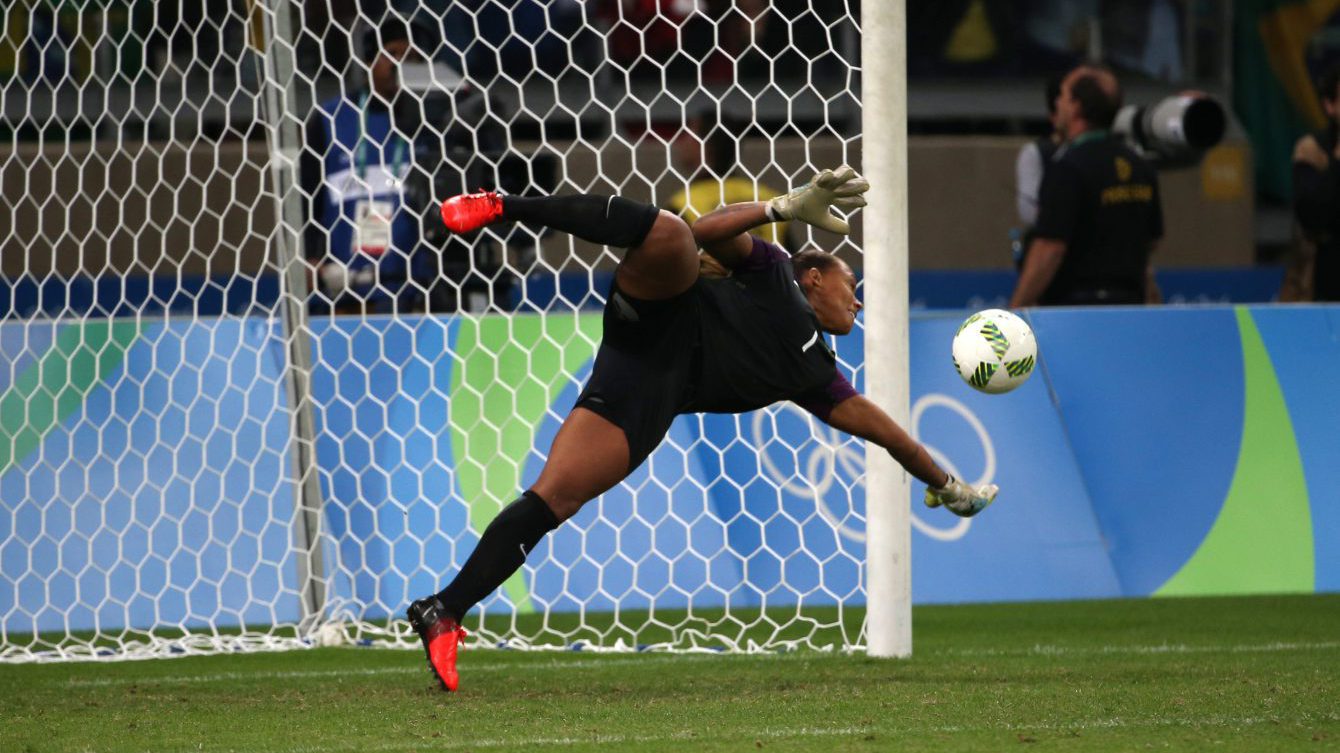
1250, 674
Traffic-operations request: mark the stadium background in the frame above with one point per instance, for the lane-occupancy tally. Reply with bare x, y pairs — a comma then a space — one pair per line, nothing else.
139, 280
968, 106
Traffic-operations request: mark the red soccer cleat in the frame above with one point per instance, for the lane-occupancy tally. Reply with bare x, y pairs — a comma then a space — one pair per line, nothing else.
441, 636
471, 211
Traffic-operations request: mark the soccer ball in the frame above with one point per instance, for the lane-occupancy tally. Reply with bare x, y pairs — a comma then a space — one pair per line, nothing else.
331, 634
994, 351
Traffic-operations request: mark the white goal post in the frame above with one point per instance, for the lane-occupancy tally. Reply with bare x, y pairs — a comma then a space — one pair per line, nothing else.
888, 519
237, 413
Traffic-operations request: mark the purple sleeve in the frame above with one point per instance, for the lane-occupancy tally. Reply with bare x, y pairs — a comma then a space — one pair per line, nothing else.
822, 401
762, 256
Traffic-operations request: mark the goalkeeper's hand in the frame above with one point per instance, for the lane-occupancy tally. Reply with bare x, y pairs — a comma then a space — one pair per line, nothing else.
841, 188
961, 499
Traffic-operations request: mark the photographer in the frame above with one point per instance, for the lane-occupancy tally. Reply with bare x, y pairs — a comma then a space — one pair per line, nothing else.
1316, 187
1099, 215
358, 238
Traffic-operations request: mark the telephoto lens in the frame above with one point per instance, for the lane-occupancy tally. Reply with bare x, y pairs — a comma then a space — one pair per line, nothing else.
1175, 131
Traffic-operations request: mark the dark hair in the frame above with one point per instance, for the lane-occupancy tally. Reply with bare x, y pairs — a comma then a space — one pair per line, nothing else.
1098, 106
1329, 82
1053, 91
813, 258
392, 28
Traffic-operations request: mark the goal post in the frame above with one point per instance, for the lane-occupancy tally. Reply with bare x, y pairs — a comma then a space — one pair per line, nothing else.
271, 36
240, 414
888, 512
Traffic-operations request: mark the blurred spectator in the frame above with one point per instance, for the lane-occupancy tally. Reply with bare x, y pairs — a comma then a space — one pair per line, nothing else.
324, 42
1316, 184
461, 140
1029, 167
741, 28
707, 152
1098, 210
515, 38
186, 37
1056, 33
1035, 156
655, 38
724, 41
463, 146
359, 238
47, 49
755, 39
1145, 36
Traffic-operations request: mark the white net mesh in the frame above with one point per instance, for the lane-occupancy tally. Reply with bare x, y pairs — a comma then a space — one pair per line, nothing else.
252, 395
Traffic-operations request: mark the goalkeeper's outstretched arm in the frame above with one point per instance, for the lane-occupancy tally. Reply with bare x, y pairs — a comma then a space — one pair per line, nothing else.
724, 232
860, 417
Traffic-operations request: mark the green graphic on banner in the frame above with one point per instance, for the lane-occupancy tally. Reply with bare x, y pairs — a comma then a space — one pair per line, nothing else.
1262, 540
45, 394
512, 369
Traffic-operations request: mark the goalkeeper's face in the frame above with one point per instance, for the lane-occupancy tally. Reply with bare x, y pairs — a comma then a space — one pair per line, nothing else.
832, 294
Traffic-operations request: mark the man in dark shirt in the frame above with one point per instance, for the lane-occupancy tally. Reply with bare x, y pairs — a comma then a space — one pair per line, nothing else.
679, 342
1099, 215
1316, 187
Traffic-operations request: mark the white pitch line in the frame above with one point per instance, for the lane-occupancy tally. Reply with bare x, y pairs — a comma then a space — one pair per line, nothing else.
770, 733
98, 682
1119, 722
416, 667
597, 662
1163, 648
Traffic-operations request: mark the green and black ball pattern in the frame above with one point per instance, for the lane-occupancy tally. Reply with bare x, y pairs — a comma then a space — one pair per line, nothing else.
982, 374
1000, 345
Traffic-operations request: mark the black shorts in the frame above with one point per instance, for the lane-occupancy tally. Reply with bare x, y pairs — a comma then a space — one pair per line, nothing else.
645, 368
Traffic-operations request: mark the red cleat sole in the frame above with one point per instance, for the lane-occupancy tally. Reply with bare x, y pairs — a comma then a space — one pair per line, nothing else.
442, 658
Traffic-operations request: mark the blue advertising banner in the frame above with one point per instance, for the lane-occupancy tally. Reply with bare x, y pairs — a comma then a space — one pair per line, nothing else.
1303, 344
145, 475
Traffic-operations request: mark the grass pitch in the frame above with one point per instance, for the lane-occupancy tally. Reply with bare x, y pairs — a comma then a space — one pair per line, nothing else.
1245, 674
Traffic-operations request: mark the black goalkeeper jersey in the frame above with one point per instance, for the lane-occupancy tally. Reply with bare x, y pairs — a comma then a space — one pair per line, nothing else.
723, 346
761, 342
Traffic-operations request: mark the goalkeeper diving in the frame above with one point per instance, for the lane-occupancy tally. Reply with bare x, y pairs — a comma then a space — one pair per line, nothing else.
676, 341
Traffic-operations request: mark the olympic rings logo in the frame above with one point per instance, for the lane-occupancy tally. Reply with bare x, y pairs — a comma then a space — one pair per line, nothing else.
830, 454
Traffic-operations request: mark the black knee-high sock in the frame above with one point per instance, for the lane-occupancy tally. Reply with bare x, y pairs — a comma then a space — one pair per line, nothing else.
607, 220
500, 552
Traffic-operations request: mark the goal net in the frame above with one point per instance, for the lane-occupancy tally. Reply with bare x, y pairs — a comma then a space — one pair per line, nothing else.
252, 396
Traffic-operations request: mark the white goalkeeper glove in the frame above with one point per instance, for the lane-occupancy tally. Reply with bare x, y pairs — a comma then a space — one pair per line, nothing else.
961, 499
841, 188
